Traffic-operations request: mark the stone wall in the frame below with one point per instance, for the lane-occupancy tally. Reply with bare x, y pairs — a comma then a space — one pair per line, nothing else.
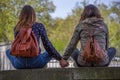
62, 73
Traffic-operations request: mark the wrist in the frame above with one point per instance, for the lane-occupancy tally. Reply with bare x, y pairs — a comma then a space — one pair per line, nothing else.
64, 58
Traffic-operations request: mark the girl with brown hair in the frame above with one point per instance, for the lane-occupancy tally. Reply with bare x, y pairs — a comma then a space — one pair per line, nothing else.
91, 18
27, 18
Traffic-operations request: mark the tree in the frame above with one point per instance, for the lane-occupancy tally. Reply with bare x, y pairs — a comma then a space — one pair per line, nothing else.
65, 27
10, 10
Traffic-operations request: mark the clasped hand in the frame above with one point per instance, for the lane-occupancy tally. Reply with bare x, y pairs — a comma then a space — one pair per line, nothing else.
63, 63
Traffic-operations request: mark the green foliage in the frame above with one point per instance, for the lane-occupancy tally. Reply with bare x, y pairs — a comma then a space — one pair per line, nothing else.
10, 9
59, 30
65, 27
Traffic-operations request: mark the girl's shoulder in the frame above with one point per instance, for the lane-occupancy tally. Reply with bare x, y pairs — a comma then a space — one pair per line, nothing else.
38, 25
80, 25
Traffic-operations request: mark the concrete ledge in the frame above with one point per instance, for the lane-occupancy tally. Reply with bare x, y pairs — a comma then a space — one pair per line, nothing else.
62, 73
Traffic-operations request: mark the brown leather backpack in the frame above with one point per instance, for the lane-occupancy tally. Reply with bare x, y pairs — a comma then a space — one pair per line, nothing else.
92, 52
25, 44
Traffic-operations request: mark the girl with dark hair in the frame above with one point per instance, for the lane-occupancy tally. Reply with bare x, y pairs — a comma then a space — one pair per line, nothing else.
27, 18
91, 18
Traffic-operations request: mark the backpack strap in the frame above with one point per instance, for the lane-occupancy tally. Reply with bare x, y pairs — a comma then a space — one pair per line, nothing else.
90, 31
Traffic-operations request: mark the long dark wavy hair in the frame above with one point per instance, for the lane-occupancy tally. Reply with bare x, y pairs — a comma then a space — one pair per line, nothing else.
89, 12
27, 17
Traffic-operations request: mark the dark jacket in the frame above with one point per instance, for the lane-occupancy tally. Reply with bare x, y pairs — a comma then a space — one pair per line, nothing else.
40, 32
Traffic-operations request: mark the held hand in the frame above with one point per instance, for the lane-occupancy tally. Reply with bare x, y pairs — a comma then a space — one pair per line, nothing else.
63, 63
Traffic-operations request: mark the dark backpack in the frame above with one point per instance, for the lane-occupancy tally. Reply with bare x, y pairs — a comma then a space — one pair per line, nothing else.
92, 52
25, 44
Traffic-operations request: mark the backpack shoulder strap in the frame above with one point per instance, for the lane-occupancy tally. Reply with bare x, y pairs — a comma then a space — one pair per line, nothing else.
25, 33
89, 30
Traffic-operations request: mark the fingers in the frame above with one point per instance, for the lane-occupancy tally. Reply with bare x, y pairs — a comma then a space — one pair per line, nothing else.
63, 63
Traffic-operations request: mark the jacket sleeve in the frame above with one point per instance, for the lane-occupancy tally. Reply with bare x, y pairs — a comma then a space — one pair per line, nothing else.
72, 44
47, 44
107, 36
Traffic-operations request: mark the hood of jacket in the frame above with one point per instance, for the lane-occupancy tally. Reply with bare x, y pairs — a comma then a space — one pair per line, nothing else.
93, 21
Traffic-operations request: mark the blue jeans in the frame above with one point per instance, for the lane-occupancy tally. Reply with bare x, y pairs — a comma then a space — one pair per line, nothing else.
27, 63
110, 51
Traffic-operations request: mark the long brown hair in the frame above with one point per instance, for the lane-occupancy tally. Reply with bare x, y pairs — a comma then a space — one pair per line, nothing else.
27, 17
89, 12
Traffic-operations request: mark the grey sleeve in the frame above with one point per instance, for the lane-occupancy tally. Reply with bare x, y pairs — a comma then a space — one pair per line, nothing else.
107, 36
72, 44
